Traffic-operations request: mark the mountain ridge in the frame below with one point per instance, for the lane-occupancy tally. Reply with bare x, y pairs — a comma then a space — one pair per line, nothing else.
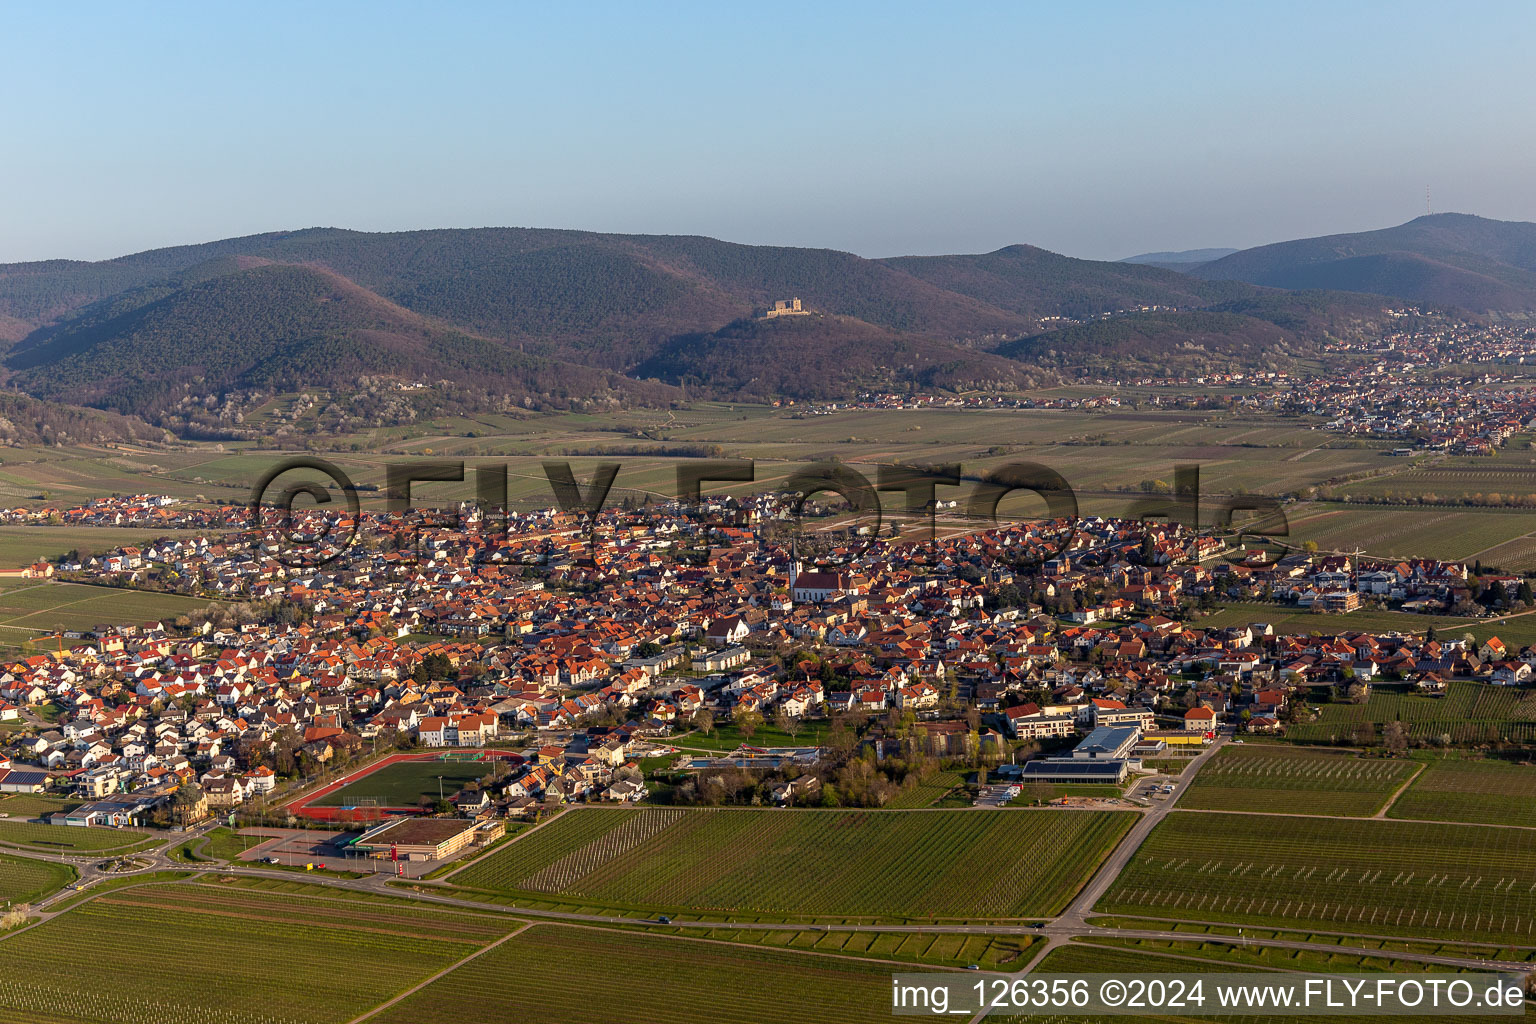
1443, 259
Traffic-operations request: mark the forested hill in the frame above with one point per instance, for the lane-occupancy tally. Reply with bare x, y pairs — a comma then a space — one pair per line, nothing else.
1036, 283
555, 319
27, 420
271, 327
1445, 259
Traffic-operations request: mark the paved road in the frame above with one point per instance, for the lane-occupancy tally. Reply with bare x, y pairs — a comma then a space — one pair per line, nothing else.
1099, 884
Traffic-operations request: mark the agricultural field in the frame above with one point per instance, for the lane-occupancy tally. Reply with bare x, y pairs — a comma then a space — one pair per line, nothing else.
1287, 619
1468, 712
67, 839
1516, 632
927, 792
1286, 780
23, 880
1098, 452
407, 783
1399, 532
900, 864
1368, 876
28, 607
662, 980
325, 960
1483, 790
35, 805
1137, 958
944, 949
20, 546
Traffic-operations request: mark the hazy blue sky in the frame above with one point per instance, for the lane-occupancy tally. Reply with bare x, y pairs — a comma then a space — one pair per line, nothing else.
1098, 130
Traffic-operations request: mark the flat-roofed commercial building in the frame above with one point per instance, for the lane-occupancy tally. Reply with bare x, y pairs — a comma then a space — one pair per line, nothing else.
417, 838
1068, 769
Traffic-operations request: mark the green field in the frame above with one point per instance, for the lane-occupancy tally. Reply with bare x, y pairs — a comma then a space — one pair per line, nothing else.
725, 736
927, 792
1468, 712
1398, 532
240, 957
901, 864
1348, 875
1483, 790
405, 783
1132, 958
22, 880
22, 545
29, 607
35, 805
69, 839
945, 949
611, 975
1285, 780
1290, 620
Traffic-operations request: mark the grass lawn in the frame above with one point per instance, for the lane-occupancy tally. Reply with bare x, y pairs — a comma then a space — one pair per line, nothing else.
1484, 790
1286, 780
335, 958
406, 783
726, 736
22, 880
653, 978
1036, 791
1004, 864
1442, 881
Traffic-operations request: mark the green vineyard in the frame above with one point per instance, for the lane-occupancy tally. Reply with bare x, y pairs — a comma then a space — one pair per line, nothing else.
1372, 876
1289, 781
1471, 789
1469, 712
906, 864
227, 956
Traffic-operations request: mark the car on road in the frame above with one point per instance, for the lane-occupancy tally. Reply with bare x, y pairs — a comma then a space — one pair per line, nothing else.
663, 919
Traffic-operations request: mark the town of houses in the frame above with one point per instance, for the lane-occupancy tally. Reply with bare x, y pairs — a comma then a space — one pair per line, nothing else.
589, 645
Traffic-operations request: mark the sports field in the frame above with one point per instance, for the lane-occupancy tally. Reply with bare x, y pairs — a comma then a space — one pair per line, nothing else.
1335, 874
611, 975
898, 864
406, 783
1484, 790
1469, 712
231, 955
1286, 780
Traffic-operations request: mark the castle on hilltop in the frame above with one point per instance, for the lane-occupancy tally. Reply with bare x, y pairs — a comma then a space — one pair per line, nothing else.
785, 307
